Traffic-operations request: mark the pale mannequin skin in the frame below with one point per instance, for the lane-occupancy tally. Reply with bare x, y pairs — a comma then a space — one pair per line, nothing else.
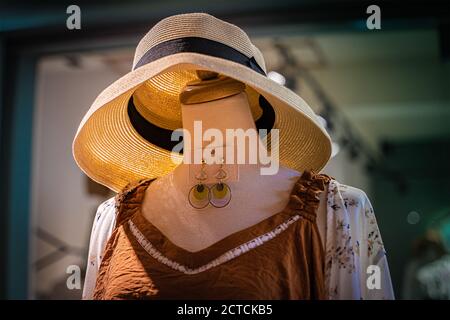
255, 197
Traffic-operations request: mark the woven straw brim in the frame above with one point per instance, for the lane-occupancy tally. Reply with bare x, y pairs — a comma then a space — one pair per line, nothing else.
110, 151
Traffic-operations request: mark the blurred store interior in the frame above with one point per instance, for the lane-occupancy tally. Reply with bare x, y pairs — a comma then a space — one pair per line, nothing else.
384, 96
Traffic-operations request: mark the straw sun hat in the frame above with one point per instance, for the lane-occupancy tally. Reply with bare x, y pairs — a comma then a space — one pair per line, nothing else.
125, 135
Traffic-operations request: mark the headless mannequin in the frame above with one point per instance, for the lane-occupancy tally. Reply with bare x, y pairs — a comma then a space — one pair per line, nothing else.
255, 197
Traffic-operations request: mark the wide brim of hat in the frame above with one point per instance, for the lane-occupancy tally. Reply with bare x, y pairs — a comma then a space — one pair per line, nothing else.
110, 151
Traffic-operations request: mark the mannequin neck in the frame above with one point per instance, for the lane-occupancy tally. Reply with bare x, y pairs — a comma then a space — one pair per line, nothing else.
218, 117
230, 113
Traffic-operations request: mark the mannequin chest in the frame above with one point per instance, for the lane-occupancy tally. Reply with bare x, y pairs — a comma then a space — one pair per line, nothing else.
194, 229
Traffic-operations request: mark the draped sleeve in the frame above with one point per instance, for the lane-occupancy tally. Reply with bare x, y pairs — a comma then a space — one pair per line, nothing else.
356, 260
102, 227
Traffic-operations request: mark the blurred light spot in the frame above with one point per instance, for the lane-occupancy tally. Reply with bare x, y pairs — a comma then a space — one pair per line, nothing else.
277, 77
413, 217
335, 148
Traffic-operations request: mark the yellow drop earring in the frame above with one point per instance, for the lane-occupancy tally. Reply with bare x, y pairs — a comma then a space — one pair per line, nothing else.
199, 194
220, 194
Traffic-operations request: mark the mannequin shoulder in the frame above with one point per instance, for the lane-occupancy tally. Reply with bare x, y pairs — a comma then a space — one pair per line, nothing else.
107, 206
348, 196
351, 207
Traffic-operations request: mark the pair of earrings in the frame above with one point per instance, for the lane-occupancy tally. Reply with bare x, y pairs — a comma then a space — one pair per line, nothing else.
218, 195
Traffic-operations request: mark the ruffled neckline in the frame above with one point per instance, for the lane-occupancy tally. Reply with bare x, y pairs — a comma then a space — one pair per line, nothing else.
304, 201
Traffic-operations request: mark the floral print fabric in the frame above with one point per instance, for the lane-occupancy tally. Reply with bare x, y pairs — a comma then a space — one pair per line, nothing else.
354, 247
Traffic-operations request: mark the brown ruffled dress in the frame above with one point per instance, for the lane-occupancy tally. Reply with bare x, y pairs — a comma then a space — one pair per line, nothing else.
281, 257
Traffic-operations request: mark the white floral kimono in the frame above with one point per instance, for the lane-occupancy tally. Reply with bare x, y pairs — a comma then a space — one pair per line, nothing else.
355, 254
356, 264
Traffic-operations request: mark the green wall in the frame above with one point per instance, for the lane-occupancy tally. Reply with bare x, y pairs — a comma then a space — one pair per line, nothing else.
424, 166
